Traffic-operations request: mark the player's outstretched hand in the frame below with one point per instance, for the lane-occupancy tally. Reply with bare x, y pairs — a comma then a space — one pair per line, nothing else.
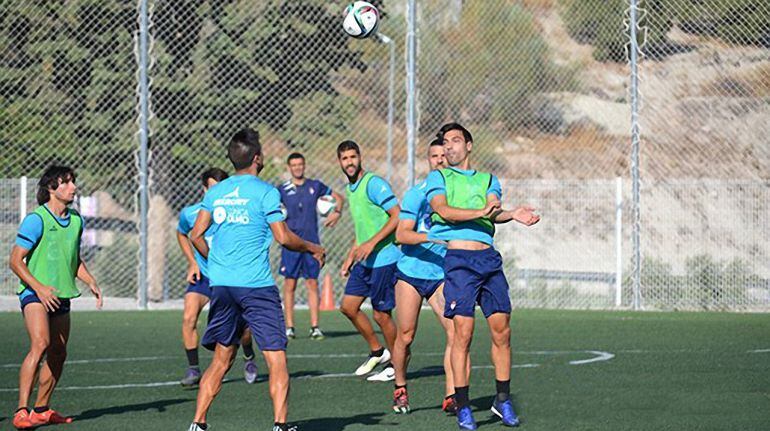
48, 298
363, 251
525, 215
98, 294
332, 219
193, 273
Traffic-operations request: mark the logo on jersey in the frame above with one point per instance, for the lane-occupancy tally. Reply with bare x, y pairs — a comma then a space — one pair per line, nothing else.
220, 215
312, 191
453, 305
233, 199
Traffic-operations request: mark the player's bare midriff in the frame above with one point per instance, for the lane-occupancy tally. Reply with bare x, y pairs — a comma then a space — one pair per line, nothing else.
461, 244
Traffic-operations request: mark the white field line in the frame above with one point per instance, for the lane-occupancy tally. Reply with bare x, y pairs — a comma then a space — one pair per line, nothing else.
600, 356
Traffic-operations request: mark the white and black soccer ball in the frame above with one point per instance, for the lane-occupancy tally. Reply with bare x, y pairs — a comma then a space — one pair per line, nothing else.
361, 19
325, 205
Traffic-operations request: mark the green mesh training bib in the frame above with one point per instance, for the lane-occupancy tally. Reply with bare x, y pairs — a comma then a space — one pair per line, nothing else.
368, 218
467, 192
54, 260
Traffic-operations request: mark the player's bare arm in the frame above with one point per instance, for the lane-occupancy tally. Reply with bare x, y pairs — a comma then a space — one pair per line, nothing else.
47, 294
459, 215
86, 277
198, 232
290, 240
365, 249
348, 262
193, 271
406, 235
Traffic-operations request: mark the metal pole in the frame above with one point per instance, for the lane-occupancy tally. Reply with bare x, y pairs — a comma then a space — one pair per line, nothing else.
411, 89
143, 150
22, 198
618, 241
391, 91
634, 58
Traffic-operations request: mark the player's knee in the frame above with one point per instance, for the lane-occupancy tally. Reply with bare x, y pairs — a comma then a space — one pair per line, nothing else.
502, 337
406, 336
189, 321
381, 317
348, 311
38, 346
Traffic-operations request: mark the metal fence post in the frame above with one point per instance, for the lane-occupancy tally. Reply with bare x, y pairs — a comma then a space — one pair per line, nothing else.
391, 94
22, 198
411, 89
634, 63
618, 241
143, 150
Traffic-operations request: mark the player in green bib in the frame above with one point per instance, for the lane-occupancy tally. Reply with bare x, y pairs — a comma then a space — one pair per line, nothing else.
371, 261
467, 205
46, 258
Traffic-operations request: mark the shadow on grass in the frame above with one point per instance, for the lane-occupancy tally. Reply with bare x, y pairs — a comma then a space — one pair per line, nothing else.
159, 406
339, 423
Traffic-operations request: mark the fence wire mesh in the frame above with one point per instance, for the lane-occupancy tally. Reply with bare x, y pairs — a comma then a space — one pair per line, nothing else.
543, 85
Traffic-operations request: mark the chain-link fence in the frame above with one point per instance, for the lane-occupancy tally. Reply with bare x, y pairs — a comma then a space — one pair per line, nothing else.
545, 86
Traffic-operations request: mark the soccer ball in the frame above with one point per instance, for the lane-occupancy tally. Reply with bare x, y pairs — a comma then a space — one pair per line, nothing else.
361, 19
325, 205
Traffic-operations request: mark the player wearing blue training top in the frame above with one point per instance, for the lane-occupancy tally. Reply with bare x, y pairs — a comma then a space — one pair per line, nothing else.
199, 291
300, 196
374, 210
246, 214
466, 205
46, 258
420, 275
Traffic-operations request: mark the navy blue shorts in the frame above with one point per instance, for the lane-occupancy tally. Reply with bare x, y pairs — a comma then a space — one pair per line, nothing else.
201, 286
28, 296
378, 284
426, 288
475, 276
232, 309
295, 264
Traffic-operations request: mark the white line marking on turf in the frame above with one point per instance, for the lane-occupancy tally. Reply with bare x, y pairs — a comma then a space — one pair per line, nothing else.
759, 351
323, 356
103, 360
600, 357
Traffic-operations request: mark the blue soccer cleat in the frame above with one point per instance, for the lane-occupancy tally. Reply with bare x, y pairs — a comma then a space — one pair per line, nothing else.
465, 419
191, 377
250, 371
504, 410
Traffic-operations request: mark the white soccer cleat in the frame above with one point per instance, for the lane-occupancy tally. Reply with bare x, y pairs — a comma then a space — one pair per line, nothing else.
386, 375
371, 362
195, 427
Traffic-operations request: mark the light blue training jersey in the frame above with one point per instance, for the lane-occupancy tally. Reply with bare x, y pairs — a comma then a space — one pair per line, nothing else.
424, 261
242, 208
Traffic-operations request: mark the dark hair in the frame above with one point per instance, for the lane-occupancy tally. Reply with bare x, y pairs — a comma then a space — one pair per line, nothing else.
293, 156
454, 126
215, 174
51, 178
436, 143
346, 146
244, 146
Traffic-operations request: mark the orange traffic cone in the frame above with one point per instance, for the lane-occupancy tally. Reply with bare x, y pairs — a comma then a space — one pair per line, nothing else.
327, 294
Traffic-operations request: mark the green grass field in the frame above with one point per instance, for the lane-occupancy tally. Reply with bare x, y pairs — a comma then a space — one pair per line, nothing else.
670, 371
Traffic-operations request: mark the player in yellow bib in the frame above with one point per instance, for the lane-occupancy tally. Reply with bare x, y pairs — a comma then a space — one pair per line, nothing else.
46, 258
